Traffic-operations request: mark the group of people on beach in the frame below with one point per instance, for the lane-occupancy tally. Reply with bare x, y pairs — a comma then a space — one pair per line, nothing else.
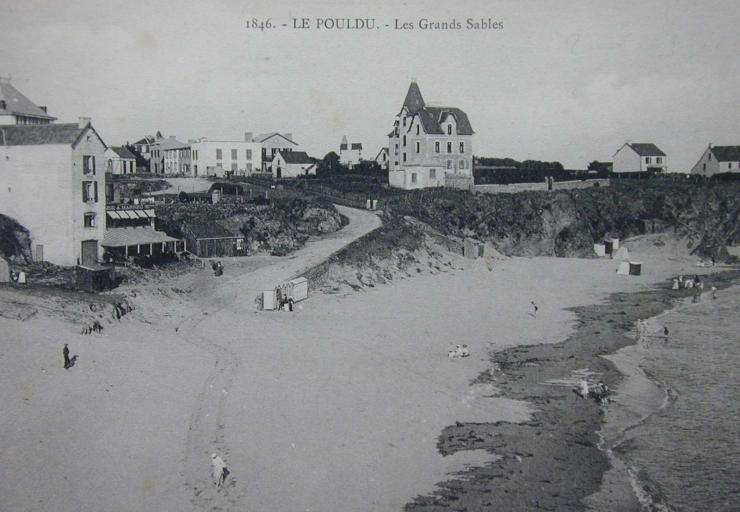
694, 283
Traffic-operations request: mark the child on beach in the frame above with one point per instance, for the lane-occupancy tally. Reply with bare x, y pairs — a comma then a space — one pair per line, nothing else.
220, 471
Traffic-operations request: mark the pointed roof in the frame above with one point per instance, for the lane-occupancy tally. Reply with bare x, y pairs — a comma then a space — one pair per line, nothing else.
296, 157
38, 134
343, 146
13, 102
262, 137
413, 102
123, 152
645, 149
726, 153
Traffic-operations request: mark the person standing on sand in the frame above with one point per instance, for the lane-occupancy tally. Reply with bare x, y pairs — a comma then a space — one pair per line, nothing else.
535, 308
220, 471
65, 353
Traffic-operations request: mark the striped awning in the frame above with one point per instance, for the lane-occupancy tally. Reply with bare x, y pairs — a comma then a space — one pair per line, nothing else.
131, 214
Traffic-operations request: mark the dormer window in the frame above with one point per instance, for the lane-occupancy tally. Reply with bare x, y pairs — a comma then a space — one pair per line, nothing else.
417, 129
88, 164
404, 121
449, 129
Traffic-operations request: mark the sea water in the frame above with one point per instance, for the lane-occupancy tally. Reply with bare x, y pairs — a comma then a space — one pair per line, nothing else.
674, 424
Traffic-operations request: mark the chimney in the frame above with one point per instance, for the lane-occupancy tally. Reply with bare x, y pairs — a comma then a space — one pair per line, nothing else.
710, 145
248, 137
43, 108
83, 121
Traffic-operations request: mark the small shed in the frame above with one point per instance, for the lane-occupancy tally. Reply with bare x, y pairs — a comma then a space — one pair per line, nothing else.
299, 288
600, 249
473, 249
269, 300
4, 271
635, 268
624, 268
611, 245
95, 278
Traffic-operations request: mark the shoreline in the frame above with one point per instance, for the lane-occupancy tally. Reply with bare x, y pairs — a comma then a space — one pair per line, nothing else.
555, 460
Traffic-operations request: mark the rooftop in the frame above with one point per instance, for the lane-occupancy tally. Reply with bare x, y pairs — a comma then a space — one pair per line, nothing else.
38, 134
13, 102
726, 153
645, 149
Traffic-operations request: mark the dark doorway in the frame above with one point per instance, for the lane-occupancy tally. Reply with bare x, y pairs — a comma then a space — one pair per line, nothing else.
89, 252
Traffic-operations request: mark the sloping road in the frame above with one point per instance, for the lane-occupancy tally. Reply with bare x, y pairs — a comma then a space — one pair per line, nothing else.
234, 296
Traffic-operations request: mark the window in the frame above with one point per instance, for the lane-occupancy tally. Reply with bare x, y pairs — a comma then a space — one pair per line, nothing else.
404, 157
417, 129
413, 177
703, 167
647, 159
89, 220
432, 174
710, 157
233, 154
396, 147
404, 141
88, 164
729, 165
659, 160
449, 129
395, 163
249, 154
462, 164
418, 146
449, 147
404, 121
436, 147
462, 147
218, 154
89, 191
449, 164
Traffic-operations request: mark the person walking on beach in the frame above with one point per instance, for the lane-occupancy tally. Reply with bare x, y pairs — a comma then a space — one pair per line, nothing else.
534, 309
65, 353
220, 471
665, 332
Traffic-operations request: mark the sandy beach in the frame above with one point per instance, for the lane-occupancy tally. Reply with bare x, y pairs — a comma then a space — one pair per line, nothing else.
337, 406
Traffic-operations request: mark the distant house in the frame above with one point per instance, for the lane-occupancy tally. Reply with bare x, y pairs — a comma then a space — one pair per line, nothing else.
639, 157
382, 158
52, 181
291, 164
349, 154
120, 160
225, 158
15, 108
718, 159
428, 144
271, 143
170, 156
209, 239
144, 145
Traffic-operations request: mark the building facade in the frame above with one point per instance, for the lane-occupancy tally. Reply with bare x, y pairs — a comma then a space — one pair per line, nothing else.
52, 181
427, 143
349, 154
120, 160
291, 164
271, 143
718, 159
640, 157
224, 158
176, 157
15, 108
382, 158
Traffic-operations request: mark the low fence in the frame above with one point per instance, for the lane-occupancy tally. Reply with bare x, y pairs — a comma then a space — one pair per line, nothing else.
522, 187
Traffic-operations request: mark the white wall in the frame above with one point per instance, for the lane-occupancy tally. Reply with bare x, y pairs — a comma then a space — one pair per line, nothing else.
203, 155
41, 187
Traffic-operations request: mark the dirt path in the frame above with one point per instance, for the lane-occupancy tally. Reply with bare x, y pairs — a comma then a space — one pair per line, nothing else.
234, 295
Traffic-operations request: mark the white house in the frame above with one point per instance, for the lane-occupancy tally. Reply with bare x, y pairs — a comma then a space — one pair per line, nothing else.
428, 143
224, 158
52, 181
15, 108
349, 154
640, 157
291, 164
382, 158
120, 160
718, 159
271, 143
176, 156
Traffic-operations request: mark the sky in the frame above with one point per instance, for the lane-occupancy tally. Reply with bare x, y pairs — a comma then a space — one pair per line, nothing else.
567, 81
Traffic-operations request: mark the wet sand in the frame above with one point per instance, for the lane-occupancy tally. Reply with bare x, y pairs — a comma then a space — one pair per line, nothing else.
553, 461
